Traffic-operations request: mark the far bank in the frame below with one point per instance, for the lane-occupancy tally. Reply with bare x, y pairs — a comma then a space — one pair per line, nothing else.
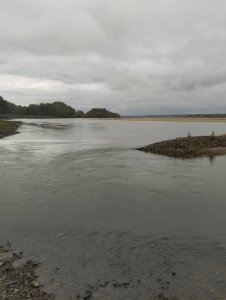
174, 119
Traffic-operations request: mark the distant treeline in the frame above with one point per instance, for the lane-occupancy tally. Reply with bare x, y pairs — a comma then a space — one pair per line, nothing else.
101, 113
56, 109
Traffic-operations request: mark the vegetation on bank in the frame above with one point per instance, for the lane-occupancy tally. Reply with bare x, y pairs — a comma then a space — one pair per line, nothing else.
190, 146
101, 113
56, 110
8, 127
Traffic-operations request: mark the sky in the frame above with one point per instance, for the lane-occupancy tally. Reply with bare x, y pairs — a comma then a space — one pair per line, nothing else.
135, 57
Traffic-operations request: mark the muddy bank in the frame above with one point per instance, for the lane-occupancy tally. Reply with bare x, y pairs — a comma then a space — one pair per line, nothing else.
19, 281
188, 147
8, 128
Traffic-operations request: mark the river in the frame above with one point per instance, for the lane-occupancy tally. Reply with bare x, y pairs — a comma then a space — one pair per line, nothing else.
101, 216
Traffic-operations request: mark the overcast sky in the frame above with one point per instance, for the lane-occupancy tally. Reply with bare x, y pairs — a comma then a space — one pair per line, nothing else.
130, 56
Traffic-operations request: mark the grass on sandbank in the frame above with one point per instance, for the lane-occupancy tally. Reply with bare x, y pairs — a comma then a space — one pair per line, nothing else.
8, 127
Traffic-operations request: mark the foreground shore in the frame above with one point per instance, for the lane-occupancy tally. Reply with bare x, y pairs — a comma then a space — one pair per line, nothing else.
18, 282
8, 128
188, 147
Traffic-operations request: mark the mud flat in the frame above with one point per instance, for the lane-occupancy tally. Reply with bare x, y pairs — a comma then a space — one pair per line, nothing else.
189, 147
8, 128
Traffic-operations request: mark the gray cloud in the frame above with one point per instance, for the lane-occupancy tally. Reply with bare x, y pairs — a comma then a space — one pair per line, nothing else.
132, 56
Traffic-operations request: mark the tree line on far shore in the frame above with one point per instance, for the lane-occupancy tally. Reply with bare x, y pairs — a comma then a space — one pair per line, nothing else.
56, 109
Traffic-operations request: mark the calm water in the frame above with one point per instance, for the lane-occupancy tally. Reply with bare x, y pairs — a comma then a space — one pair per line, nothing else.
75, 195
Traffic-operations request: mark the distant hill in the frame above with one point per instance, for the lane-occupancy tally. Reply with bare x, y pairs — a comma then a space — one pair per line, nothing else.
101, 113
56, 109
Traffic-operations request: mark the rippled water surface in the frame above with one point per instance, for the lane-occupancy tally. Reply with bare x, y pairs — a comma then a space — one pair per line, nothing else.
105, 218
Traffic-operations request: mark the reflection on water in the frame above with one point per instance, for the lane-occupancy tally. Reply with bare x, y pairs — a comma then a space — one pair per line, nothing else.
76, 196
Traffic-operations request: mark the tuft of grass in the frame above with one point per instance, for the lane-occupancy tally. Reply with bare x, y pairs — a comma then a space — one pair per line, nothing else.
189, 134
212, 136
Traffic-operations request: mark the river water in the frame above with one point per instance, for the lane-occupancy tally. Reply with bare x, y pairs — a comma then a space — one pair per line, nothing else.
105, 218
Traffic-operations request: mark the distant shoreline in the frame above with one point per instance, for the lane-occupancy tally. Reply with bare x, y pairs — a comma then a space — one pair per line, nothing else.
130, 118
175, 119
163, 119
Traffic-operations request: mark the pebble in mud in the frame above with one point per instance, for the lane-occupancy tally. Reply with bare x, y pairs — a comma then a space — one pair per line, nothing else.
87, 296
104, 284
164, 285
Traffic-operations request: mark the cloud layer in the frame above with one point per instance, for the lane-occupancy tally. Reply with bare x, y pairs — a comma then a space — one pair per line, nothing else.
131, 56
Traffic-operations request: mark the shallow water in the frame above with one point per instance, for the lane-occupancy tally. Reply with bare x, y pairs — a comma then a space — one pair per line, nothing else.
75, 195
